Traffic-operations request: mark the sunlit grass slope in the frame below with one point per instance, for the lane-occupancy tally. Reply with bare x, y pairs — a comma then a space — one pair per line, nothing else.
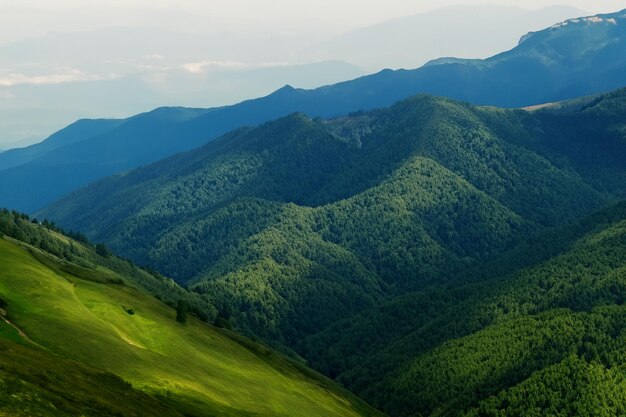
192, 367
35, 383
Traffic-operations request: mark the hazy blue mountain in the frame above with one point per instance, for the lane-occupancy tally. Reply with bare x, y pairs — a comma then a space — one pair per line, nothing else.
122, 70
570, 59
576, 57
125, 144
459, 30
32, 110
76, 132
20, 143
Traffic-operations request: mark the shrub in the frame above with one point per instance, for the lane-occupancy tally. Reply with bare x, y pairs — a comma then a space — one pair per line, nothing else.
181, 311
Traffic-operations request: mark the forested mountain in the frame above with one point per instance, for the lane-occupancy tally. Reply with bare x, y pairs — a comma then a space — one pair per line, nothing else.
296, 224
580, 56
536, 331
443, 241
78, 326
359, 243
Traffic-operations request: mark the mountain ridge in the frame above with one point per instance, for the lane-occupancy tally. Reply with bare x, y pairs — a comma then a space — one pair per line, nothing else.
371, 205
519, 77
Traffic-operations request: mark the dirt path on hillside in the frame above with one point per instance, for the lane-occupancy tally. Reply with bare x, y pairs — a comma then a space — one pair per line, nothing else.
21, 333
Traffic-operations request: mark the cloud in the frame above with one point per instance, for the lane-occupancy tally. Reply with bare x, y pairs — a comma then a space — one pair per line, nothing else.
69, 76
202, 66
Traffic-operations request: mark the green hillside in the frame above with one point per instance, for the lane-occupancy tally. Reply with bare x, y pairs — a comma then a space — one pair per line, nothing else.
359, 242
349, 212
86, 340
556, 320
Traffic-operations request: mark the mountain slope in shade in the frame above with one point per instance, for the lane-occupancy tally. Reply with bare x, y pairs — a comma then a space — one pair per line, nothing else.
581, 57
539, 324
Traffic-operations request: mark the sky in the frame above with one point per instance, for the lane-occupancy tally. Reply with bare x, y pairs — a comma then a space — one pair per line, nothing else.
115, 58
23, 18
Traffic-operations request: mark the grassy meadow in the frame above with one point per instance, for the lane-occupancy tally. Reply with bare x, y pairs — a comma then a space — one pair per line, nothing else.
193, 367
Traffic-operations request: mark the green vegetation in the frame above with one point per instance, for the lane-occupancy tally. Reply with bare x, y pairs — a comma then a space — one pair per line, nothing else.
82, 352
414, 356
299, 223
572, 387
73, 254
102, 250
35, 384
431, 256
181, 311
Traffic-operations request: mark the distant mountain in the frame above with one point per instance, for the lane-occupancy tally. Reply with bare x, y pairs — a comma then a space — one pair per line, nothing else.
577, 57
118, 71
471, 31
32, 110
108, 147
76, 132
570, 59
21, 143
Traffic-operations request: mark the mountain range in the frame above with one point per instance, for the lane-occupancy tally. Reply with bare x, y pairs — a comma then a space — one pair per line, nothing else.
457, 254
577, 57
302, 230
122, 70
459, 30
29, 107
537, 331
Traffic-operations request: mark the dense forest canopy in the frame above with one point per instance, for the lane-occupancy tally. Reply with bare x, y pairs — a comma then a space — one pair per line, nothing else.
357, 242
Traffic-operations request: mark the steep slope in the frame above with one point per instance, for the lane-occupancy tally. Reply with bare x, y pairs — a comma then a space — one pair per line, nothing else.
351, 211
583, 56
34, 383
66, 312
555, 322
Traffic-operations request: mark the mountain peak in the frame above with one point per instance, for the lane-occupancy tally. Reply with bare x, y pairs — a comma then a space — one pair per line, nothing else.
590, 20
285, 89
606, 19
